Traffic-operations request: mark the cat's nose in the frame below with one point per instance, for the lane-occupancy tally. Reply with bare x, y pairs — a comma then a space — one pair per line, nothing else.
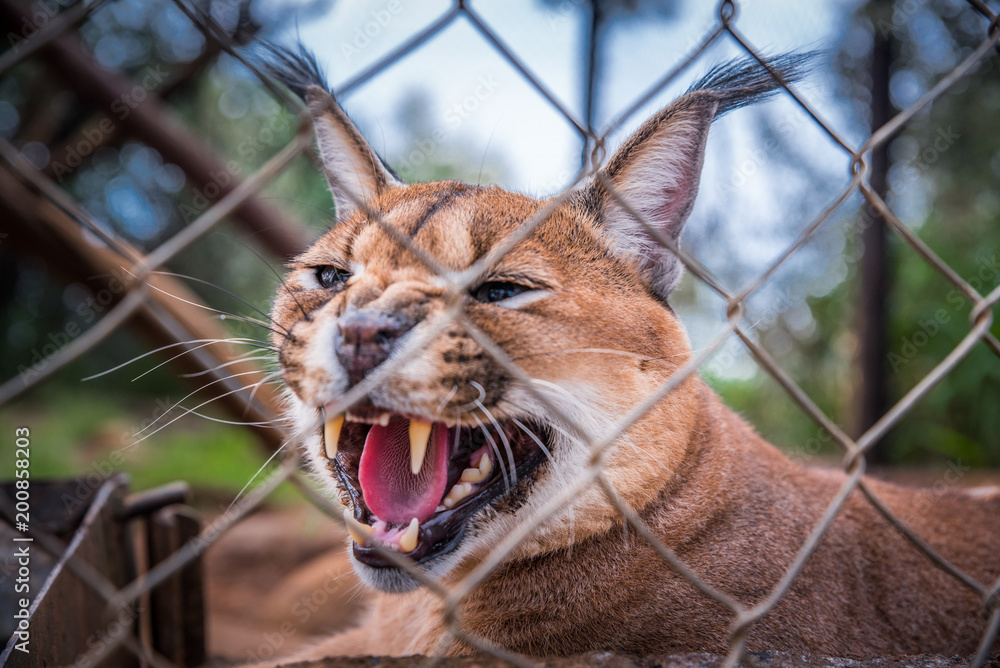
365, 339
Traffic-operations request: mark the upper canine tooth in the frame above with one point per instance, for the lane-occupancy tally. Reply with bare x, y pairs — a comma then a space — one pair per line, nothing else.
359, 531
331, 434
420, 432
408, 541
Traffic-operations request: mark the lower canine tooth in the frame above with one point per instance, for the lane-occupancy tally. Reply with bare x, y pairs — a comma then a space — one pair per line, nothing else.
331, 434
408, 541
420, 433
359, 531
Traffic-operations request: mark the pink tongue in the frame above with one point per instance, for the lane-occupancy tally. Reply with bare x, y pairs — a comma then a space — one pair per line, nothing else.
389, 488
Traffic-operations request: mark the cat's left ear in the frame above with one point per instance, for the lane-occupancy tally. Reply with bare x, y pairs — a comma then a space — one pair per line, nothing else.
353, 170
656, 171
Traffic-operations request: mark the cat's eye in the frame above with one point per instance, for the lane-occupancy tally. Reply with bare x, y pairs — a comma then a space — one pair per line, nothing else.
496, 291
331, 277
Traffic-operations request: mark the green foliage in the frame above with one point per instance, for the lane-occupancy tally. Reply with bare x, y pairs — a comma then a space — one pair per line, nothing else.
93, 433
945, 168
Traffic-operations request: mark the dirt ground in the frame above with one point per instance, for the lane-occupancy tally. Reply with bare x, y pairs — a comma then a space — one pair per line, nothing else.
274, 581
281, 577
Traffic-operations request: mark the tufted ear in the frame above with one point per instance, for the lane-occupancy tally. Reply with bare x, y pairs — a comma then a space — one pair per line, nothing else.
353, 170
656, 171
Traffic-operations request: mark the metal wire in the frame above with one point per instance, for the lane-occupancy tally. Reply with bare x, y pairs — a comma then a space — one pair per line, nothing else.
458, 282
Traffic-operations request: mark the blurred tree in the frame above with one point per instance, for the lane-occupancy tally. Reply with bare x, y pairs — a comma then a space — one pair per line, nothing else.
128, 187
942, 181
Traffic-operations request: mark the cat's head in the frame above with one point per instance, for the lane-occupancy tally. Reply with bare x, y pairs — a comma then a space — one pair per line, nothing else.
444, 449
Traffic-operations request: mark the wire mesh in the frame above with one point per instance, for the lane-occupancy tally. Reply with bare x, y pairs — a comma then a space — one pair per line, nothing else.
142, 298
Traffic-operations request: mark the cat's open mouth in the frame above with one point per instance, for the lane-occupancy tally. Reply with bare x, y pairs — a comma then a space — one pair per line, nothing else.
414, 484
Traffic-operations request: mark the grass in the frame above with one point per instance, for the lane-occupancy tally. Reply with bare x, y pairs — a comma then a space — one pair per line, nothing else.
77, 433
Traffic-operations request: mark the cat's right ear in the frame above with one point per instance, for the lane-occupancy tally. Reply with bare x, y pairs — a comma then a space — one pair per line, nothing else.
353, 170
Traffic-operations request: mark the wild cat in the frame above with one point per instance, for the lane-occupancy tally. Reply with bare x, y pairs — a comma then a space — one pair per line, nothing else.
444, 456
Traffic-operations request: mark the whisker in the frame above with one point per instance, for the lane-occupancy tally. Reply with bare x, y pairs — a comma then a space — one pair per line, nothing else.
496, 451
262, 467
281, 279
239, 360
557, 389
225, 314
548, 455
242, 341
444, 402
486, 151
186, 412
222, 289
188, 396
604, 351
503, 437
537, 440
268, 423
482, 395
270, 378
694, 351
182, 354
547, 386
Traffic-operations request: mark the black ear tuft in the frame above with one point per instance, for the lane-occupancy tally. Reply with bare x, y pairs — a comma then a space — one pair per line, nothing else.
294, 67
739, 83
352, 168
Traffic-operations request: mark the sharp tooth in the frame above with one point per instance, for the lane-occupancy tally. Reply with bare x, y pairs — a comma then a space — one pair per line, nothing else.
457, 493
408, 541
471, 475
420, 432
359, 531
383, 420
479, 474
331, 434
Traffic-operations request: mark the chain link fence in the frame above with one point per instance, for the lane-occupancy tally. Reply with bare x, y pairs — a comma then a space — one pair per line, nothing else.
153, 301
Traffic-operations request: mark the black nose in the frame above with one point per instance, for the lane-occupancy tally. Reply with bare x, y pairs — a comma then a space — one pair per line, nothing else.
365, 339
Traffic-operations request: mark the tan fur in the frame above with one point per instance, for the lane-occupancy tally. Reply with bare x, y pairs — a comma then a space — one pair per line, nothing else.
601, 339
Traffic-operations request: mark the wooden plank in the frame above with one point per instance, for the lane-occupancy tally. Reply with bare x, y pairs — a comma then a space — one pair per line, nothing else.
177, 607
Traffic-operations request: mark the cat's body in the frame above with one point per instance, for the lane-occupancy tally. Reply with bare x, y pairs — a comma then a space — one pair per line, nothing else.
865, 592
425, 457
